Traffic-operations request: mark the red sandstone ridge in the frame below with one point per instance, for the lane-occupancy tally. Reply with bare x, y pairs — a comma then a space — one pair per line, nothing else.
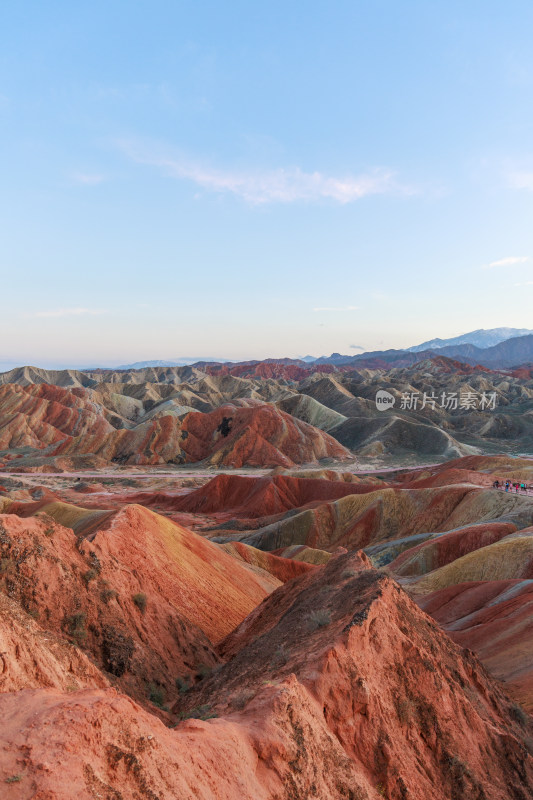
265, 496
40, 415
268, 369
448, 547
367, 697
233, 436
337, 686
493, 618
31, 657
282, 568
144, 598
260, 435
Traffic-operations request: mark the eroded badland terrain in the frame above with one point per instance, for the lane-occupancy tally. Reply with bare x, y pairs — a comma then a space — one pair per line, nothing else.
248, 583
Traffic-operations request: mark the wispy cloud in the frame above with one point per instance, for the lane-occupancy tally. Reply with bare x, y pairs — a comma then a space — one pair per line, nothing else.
526, 283
336, 308
508, 261
520, 179
357, 347
67, 312
87, 178
282, 185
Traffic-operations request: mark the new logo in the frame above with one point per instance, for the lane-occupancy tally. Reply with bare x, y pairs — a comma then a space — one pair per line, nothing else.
384, 400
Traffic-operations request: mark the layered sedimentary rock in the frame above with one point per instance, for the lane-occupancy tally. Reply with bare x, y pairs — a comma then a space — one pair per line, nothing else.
312, 701
146, 598
144, 410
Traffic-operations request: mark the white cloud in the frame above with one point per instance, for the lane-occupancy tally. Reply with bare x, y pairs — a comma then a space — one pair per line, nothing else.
526, 283
520, 179
283, 185
87, 179
336, 308
509, 261
67, 312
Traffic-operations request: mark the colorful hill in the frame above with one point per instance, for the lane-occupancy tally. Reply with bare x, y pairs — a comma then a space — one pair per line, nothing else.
312, 701
492, 617
259, 435
137, 416
144, 597
140, 659
251, 497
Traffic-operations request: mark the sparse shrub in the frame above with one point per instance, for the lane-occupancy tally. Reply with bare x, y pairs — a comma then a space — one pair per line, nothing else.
89, 576
348, 573
198, 712
281, 656
182, 685
204, 670
6, 565
34, 612
156, 695
319, 618
95, 562
108, 594
404, 709
49, 531
519, 715
14, 779
117, 650
242, 699
140, 601
76, 627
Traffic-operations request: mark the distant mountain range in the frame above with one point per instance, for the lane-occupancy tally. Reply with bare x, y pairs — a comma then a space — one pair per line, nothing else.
496, 348
480, 338
178, 362
515, 350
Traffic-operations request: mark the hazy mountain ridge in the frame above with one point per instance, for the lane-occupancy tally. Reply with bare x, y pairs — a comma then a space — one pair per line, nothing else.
480, 338
176, 415
511, 352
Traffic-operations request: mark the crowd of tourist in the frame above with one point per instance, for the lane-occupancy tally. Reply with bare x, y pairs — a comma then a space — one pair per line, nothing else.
509, 486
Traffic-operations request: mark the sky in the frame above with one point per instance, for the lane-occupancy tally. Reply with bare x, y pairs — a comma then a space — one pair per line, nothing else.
250, 179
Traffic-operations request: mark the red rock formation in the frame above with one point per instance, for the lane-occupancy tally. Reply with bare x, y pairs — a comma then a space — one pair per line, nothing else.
446, 548
347, 638
260, 435
261, 497
269, 369
339, 687
364, 519
31, 657
282, 568
144, 597
494, 619
40, 415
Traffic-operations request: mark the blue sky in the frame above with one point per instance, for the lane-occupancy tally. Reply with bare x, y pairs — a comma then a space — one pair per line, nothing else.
253, 179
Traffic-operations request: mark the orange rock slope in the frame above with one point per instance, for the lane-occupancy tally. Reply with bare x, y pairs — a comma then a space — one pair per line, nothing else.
337, 686
75, 422
434, 529
140, 660
145, 598
259, 435
41, 415
260, 497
